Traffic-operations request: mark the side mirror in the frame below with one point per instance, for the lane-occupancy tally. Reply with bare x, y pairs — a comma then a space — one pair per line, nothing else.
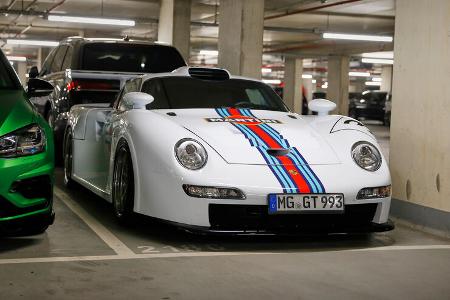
136, 100
321, 106
39, 88
34, 72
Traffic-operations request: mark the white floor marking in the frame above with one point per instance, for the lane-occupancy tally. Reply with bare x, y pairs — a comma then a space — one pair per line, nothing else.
107, 236
132, 255
406, 247
9, 261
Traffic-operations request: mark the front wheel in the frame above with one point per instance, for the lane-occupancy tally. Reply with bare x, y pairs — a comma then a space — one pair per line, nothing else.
123, 184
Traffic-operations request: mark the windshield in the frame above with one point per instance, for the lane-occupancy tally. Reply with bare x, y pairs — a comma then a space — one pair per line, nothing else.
6, 76
187, 92
133, 58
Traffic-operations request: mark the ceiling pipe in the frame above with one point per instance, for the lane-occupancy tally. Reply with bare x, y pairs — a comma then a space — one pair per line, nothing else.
304, 10
11, 4
27, 11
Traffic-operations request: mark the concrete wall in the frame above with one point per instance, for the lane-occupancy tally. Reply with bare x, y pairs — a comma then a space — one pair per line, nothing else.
420, 130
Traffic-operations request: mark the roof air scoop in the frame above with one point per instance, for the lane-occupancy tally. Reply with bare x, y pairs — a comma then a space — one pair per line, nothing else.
209, 73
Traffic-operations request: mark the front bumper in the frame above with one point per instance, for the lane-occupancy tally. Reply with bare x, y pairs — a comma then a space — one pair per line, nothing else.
27, 222
254, 219
26, 188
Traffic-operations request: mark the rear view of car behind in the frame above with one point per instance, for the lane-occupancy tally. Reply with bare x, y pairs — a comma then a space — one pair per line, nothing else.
92, 72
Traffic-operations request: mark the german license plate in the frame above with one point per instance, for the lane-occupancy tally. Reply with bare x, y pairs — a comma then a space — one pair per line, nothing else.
306, 203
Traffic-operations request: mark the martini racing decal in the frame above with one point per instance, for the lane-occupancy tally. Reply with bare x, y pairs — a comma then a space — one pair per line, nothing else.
292, 170
243, 120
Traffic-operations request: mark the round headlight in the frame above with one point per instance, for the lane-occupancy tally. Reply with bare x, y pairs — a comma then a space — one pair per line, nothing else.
191, 154
366, 156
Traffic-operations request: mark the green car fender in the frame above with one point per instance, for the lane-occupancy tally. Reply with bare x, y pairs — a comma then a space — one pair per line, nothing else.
20, 198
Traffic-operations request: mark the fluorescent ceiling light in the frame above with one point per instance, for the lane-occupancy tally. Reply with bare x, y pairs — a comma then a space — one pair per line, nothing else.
266, 70
377, 79
378, 61
32, 43
87, 20
373, 83
384, 54
272, 81
306, 76
209, 52
359, 74
357, 37
16, 58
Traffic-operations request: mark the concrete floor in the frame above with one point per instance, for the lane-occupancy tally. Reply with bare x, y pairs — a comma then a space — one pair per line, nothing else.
86, 254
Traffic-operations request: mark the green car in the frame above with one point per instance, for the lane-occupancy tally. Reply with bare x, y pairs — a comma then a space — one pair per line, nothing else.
26, 156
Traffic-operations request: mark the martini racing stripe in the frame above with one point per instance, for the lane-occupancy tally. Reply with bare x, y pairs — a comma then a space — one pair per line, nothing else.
288, 168
255, 141
292, 171
294, 154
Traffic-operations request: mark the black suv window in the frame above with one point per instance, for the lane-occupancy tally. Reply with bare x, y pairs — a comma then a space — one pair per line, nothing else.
133, 58
58, 60
48, 63
68, 59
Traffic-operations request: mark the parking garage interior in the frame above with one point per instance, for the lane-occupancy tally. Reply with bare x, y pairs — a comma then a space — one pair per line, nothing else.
383, 62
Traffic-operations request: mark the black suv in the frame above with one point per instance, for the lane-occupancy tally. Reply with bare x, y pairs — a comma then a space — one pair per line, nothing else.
370, 106
92, 71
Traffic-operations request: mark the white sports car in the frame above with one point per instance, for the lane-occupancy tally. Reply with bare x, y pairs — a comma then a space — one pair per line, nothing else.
211, 152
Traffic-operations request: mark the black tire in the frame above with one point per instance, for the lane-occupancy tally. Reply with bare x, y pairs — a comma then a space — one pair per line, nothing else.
68, 158
123, 184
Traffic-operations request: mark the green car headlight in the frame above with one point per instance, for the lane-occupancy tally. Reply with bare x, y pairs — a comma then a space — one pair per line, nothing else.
22, 142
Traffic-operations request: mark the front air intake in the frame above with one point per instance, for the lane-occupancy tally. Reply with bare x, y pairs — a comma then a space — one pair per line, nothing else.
209, 74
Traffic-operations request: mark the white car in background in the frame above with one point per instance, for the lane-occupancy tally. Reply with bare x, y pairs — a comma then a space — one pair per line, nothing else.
215, 153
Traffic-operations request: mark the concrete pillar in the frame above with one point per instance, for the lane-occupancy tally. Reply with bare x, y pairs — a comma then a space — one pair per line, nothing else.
420, 124
386, 79
22, 72
338, 83
292, 94
241, 26
175, 25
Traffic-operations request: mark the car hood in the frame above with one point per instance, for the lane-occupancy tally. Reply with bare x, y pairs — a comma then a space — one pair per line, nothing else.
225, 135
15, 111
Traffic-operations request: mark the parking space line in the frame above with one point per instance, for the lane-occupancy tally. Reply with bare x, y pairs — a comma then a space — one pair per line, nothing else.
102, 232
9, 261
406, 247
132, 255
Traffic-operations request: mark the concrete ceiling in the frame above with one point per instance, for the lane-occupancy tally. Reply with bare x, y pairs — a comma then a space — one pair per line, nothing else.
289, 33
